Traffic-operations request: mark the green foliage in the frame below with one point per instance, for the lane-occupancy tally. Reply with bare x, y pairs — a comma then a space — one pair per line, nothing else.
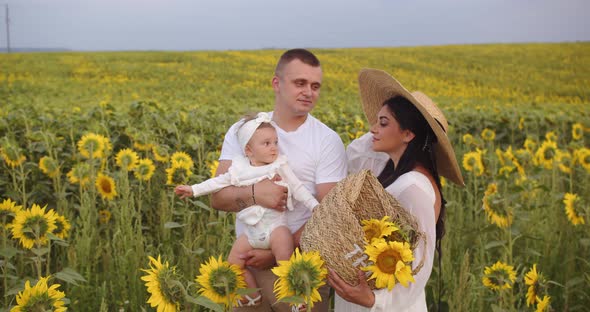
185, 101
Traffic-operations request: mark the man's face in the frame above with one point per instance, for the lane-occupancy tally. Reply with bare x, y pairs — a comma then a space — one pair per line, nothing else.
297, 87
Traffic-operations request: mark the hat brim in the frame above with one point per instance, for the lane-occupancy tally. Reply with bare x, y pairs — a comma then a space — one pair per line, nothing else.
377, 86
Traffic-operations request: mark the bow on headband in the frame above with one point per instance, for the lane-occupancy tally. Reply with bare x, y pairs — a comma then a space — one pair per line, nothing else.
247, 129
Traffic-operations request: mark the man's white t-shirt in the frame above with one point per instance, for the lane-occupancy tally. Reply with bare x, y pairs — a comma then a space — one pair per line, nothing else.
316, 155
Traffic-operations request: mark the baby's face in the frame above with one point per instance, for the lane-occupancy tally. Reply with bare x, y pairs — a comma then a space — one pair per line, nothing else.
263, 149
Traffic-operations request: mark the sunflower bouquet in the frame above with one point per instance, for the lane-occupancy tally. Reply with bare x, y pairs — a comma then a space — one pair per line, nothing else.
358, 225
389, 251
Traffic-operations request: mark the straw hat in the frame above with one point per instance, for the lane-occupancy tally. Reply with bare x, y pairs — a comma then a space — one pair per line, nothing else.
377, 86
335, 230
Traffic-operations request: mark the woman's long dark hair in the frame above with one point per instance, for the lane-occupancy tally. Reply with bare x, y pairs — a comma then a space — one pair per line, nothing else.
419, 151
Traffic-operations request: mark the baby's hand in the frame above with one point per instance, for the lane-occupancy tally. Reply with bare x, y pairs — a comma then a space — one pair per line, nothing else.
183, 191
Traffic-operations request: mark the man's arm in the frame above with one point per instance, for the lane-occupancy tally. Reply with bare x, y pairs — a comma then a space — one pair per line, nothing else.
231, 198
235, 198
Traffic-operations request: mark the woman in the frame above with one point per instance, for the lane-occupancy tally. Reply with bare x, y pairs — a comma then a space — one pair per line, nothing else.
407, 149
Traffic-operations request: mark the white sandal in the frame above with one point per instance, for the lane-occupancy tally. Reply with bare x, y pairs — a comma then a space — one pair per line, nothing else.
297, 308
251, 302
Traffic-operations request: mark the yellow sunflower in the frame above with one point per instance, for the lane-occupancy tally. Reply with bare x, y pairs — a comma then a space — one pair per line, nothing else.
499, 276
8, 210
104, 216
106, 142
542, 304
161, 283
530, 145
563, 159
49, 166
551, 136
571, 202
160, 153
12, 156
577, 131
376, 229
582, 157
62, 226
494, 207
500, 155
532, 279
301, 277
40, 298
467, 139
31, 226
521, 123
91, 145
510, 157
143, 147
106, 186
488, 134
80, 174
220, 281
391, 263
545, 155
523, 156
473, 162
213, 168
127, 159
177, 174
181, 159
145, 169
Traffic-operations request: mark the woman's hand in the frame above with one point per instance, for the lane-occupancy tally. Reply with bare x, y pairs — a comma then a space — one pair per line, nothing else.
183, 191
260, 259
360, 294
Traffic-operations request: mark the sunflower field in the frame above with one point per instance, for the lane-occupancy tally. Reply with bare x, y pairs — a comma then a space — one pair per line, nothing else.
92, 145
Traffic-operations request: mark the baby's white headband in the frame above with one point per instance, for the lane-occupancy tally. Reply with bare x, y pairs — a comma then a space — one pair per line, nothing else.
246, 130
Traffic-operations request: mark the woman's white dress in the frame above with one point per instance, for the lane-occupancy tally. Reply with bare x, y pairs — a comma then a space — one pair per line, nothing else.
415, 193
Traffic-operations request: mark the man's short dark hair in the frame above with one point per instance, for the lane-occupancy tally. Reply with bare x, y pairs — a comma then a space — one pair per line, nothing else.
303, 55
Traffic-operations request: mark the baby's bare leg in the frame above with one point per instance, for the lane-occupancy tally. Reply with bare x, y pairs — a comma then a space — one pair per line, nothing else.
241, 247
281, 243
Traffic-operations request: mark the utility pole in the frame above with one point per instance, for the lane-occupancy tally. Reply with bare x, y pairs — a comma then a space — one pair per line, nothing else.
7, 31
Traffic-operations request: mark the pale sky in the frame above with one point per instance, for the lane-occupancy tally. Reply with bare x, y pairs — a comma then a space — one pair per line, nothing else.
257, 24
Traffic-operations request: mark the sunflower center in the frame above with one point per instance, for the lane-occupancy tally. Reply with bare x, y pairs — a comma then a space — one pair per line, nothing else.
223, 281
387, 261
91, 146
105, 186
168, 288
59, 227
372, 232
6, 216
303, 277
549, 153
38, 227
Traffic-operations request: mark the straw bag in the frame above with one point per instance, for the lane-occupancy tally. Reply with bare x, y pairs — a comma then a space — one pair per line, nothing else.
335, 227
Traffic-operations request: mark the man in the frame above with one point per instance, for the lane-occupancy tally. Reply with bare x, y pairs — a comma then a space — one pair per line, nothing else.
315, 152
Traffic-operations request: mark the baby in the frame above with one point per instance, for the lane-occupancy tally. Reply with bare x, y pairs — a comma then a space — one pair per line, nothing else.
265, 228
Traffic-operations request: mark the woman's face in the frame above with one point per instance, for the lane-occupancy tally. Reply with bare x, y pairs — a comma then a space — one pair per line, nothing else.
388, 136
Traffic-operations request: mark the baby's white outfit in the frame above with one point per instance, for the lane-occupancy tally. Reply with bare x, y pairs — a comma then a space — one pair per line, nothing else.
259, 221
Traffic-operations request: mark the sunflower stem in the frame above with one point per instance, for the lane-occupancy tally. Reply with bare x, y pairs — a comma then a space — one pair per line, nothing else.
5, 263
23, 189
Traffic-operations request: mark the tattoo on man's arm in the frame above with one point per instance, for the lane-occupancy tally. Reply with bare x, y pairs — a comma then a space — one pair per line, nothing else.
241, 204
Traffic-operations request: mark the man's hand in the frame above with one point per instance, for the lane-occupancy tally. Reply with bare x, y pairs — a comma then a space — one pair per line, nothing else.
183, 191
260, 259
271, 195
